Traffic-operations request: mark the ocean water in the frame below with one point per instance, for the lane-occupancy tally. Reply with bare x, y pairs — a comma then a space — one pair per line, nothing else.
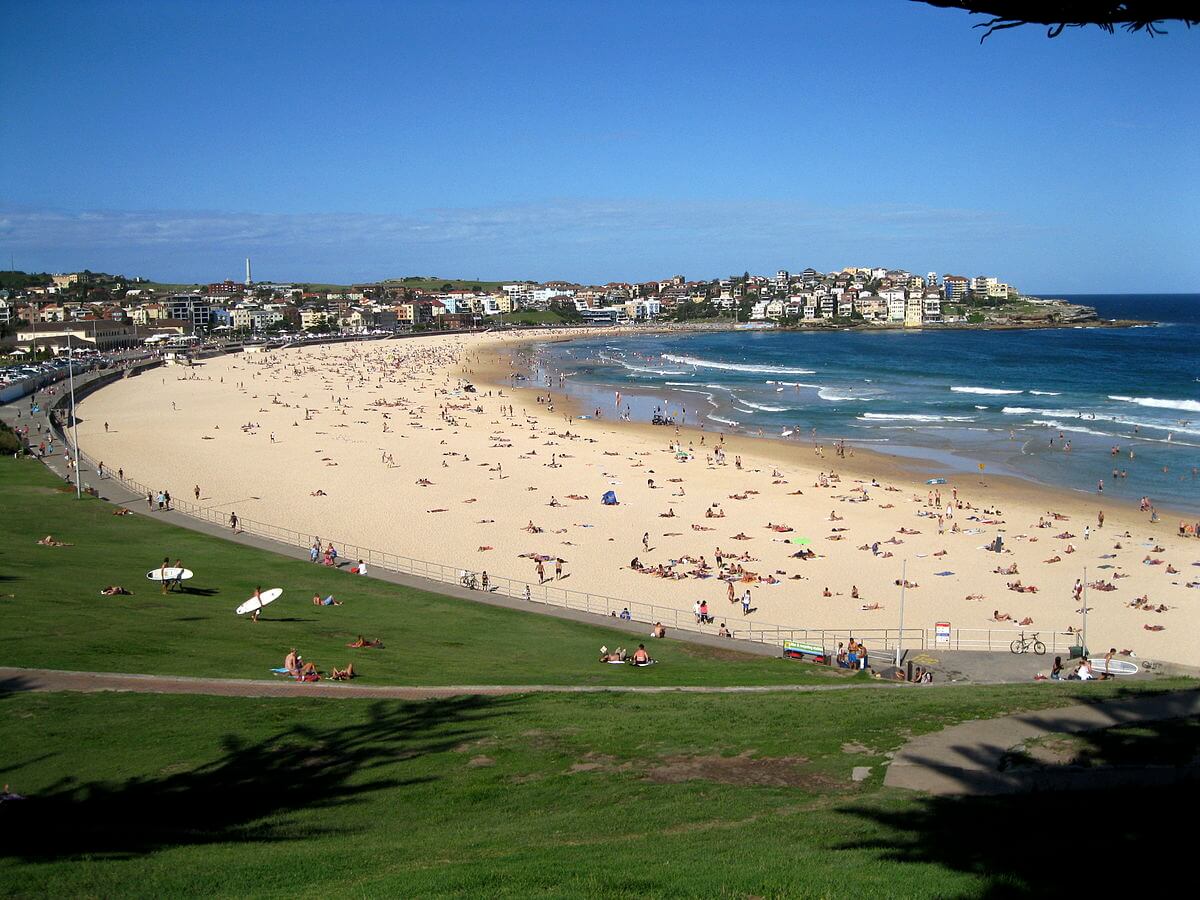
1011, 400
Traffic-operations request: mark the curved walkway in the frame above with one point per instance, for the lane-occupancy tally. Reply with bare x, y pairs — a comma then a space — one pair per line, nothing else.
969, 758
14, 679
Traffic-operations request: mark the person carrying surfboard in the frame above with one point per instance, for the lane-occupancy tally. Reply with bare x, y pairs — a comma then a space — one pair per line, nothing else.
257, 596
162, 573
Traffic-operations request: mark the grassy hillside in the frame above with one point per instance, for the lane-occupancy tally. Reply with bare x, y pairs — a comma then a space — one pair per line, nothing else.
535, 796
55, 617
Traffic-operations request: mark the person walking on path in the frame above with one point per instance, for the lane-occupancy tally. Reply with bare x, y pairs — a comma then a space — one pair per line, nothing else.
233, 523
746, 602
541, 572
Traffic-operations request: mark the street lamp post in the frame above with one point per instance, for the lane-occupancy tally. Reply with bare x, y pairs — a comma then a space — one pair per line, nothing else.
900, 636
1084, 592
74, 426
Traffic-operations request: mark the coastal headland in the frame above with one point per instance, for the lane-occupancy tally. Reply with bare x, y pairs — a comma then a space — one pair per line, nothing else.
381, 444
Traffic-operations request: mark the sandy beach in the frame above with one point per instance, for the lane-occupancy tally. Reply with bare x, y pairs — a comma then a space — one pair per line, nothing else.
378, 444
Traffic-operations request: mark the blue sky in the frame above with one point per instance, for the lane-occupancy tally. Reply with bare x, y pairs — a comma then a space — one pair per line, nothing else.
593, 141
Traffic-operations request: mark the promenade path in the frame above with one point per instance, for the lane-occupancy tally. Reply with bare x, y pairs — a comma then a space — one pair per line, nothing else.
971, 758
44, 680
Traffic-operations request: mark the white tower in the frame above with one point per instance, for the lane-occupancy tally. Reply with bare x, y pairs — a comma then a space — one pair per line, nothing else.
248, 279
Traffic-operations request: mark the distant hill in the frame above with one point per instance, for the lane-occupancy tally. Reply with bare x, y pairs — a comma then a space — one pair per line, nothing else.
12, 280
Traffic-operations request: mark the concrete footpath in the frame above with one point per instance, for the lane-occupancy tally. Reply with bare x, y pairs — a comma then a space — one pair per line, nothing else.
14, 680
971, 758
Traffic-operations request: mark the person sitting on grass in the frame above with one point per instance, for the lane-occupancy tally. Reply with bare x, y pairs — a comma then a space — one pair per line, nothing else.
291, 662
658, 631
328, 601
308, 672
640, 656
114, 590
343, 674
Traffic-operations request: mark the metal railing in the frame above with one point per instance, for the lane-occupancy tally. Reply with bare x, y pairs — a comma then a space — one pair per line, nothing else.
1000, 639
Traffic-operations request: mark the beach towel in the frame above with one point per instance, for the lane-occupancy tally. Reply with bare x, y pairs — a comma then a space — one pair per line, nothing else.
943, 573
609, 498
281, 671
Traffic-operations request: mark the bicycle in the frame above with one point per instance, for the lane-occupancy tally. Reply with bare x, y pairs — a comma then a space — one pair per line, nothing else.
1025, 644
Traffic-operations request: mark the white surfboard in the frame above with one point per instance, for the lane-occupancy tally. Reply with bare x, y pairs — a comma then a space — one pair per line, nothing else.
1114, 667
170, 573
259, 602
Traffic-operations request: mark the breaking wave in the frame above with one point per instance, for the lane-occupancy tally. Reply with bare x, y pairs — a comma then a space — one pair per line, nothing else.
734, 367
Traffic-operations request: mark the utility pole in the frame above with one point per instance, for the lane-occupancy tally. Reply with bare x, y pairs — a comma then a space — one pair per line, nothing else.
900, 636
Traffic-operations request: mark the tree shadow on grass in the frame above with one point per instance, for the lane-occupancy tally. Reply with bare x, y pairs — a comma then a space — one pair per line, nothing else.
261, 791
1098, 809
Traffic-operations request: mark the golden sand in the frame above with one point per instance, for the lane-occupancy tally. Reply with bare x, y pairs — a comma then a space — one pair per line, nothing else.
490, 475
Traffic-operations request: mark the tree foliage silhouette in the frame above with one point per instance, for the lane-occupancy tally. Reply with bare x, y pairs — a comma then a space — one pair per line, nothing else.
1132, 15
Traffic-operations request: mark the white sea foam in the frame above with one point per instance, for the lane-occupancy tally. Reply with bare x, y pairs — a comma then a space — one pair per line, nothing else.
713, 418
1029, 411
1099, 417
645, 369
826, 394
764, 407
734, 367
1077, 429
1046, 393
979, 390
981, 407
911, 417
1184, 405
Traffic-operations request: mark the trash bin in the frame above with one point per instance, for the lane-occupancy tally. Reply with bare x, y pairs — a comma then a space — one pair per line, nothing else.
1078, 650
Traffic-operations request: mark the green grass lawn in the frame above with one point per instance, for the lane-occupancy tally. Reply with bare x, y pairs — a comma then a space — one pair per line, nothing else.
54, 616
533, 795
522, 795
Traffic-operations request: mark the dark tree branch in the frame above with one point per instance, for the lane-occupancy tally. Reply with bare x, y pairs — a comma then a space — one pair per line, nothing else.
1132, 15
